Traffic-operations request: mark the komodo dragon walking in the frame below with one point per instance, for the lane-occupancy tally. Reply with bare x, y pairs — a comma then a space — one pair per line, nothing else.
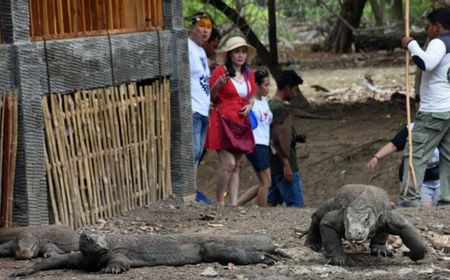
359, 213
117, 253
32, 241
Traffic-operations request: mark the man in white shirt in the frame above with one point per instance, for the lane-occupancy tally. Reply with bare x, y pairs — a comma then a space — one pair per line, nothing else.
432, 122
199, 33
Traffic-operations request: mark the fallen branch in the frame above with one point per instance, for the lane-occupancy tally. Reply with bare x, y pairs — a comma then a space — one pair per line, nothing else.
350, 151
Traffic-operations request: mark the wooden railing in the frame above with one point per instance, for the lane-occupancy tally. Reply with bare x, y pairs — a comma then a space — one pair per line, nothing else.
107, 150
8, 149
57, 19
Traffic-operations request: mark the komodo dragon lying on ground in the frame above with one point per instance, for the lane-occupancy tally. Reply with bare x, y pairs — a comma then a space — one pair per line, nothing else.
45, 240
359, 213
116, 253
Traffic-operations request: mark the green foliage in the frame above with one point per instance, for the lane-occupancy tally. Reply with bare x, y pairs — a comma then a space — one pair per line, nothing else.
417, 9
255, 12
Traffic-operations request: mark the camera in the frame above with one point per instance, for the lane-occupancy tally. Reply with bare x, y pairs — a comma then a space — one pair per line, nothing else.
298, 138
231, 72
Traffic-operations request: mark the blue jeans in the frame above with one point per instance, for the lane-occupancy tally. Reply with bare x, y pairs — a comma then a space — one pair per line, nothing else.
199, 128
290, 193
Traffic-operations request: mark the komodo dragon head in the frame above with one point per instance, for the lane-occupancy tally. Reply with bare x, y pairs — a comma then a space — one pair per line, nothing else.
359, 223
26, 247
93, 243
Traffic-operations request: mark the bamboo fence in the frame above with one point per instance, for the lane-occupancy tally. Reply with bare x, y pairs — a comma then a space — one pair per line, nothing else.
8, 152
107, 150
56, 19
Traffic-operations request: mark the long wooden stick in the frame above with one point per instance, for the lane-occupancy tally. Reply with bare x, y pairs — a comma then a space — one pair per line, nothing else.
408, 109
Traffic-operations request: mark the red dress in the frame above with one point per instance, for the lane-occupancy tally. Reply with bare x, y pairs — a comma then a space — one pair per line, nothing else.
229, 103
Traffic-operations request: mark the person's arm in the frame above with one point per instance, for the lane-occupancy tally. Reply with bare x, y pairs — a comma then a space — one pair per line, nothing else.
217, 80
245, 110
426, 60
287, 170
386, 150
217, 85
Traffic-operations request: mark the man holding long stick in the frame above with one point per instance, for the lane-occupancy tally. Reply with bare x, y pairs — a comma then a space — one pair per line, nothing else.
432, 122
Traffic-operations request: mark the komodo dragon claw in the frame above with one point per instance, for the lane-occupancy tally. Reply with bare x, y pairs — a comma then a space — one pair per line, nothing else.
380, 250
281, 253
341, 260
270, 259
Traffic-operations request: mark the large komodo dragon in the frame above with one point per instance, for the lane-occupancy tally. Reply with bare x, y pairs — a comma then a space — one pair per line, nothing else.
32, 241
115, 253
360, 213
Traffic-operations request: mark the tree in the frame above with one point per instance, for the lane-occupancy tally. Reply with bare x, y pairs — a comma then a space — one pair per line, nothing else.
341, 37
272, 55
241, 23
378, 9
397, 7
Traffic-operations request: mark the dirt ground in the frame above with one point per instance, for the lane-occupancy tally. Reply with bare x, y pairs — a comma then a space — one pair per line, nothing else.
339, 145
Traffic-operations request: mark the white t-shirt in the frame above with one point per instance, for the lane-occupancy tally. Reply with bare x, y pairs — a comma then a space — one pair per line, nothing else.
264, 116
435, 63
241, 87
200, 74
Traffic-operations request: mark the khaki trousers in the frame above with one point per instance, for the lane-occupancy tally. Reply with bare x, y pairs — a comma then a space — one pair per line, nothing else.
430, 130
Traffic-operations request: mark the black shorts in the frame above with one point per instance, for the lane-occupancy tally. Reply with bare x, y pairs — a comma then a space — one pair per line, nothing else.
259, 158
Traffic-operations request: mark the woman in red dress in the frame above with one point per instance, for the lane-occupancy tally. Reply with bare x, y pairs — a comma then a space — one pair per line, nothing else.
232, 87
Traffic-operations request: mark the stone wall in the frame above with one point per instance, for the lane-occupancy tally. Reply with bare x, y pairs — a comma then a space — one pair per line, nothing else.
37, 68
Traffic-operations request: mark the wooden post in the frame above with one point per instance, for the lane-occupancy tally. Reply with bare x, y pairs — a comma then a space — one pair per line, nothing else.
408, 108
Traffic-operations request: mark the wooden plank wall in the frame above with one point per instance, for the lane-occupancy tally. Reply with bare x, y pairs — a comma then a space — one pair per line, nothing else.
107, 151
8, 152
54, 19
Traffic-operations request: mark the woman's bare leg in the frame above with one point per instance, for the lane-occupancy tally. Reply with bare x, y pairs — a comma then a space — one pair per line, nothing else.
234, 181
265, 180
224, 173
260, 190
248, 195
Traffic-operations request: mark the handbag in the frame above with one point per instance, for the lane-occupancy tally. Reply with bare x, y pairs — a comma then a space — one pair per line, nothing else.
236, 138
253, 120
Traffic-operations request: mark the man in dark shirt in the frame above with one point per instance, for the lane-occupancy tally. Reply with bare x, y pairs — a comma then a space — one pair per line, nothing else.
286, 181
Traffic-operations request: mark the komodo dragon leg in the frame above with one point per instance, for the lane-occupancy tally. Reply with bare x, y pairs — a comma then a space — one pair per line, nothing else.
217, 252
331, 231
6, 249
410, 236
51, 250
72, 260
378, 244
313, 239
117, 263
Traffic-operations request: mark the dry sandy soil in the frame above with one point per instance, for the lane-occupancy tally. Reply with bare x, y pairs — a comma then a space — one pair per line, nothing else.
338, 147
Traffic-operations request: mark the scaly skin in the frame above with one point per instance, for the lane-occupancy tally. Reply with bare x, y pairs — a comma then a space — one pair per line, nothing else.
118, 253
33, 241
358, 213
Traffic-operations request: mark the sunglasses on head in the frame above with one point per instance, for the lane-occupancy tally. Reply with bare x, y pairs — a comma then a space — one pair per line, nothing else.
202, 21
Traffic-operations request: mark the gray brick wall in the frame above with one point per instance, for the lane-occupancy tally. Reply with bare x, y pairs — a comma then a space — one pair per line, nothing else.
84, 63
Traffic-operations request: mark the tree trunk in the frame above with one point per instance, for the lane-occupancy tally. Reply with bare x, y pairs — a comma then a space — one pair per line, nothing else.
252, 39
397, 7
387, 38
378, 8
273, 32
341, 37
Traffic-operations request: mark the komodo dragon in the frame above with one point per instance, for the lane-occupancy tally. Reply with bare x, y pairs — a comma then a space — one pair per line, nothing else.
115, 253
32, 241
360, 213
